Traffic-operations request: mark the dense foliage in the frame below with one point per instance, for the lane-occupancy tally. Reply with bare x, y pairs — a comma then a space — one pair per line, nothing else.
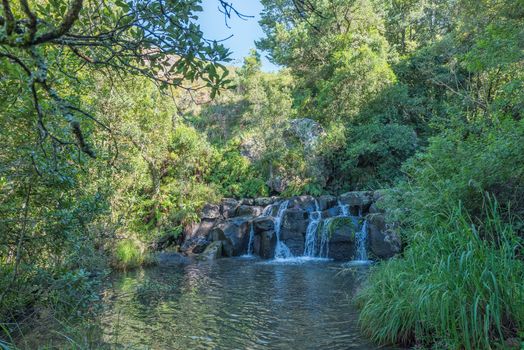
119, 121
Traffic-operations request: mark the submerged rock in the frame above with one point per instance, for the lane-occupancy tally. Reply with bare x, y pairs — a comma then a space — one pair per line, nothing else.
213, 251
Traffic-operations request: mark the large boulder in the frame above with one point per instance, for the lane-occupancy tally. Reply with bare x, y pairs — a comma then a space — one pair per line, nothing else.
247, 201
331, 212
213, 251
264, 244
307, 131
293, 229
248, 210
210, 211
383, 241
342, 238
263, 223
236, 232
358, 201
196, 236
228, 207
326, 202
265, 201
306, 203
252, 148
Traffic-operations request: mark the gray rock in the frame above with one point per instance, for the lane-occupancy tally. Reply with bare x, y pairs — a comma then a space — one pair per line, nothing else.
306, 203
342, 237
263, 223
331, 212
294, 220
277, 183
326, 202
383, 241
216, 234
247, 201
265, 244
264, 201
236, 232
306, 130
228, 207
247, 210
171, 259
252, 149
294, 225
356, 198
213, 251
210, 211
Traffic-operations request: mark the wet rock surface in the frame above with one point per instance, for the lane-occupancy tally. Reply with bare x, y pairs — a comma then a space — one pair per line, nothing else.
234, 223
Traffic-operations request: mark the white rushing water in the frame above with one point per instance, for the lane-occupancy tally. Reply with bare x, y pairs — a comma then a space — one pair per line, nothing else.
281, 249
251, 240
310, 244
361, 237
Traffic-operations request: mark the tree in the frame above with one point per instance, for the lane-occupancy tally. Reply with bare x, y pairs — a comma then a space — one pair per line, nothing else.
51, 42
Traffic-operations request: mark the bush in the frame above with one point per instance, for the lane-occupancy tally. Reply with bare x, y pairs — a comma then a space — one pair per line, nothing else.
452, 289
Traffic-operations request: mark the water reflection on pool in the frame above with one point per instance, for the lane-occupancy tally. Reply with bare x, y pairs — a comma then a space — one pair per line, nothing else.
235, 304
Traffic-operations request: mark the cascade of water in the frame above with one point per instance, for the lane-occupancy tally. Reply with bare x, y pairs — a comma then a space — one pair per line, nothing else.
266, 212
281, 249
344, 209
361, 237
310, 245
251, 240
323, 251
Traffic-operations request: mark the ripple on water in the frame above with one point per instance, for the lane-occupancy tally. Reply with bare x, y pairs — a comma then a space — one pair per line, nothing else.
240, 303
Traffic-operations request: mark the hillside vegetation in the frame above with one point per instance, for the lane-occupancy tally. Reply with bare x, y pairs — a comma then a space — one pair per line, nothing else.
103, 159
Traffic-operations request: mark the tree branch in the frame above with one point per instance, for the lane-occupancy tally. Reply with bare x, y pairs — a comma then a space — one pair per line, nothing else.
69, 19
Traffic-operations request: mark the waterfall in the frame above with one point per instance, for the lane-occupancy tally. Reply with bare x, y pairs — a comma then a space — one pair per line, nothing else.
323, 251
361, 237
281, 250
251, 240
310, 245
266, 212
344, 209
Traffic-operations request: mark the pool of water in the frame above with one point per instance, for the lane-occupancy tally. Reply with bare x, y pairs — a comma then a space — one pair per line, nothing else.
236, 303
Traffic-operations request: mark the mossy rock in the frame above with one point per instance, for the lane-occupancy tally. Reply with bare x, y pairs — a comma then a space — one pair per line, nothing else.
341, 229
212, 252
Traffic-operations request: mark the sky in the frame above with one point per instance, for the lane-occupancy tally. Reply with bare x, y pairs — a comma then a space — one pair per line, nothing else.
244, 32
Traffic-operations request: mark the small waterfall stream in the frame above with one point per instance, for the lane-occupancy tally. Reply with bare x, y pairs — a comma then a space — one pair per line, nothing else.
361, 237
310, 245
267, 212
281, 249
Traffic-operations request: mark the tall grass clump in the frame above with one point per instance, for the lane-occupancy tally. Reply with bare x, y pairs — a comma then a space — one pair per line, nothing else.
458, 286
129, 254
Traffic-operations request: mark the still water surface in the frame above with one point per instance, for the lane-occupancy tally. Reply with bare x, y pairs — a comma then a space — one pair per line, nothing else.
236, 303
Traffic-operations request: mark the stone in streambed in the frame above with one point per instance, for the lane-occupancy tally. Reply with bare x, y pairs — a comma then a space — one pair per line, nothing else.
212, 252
